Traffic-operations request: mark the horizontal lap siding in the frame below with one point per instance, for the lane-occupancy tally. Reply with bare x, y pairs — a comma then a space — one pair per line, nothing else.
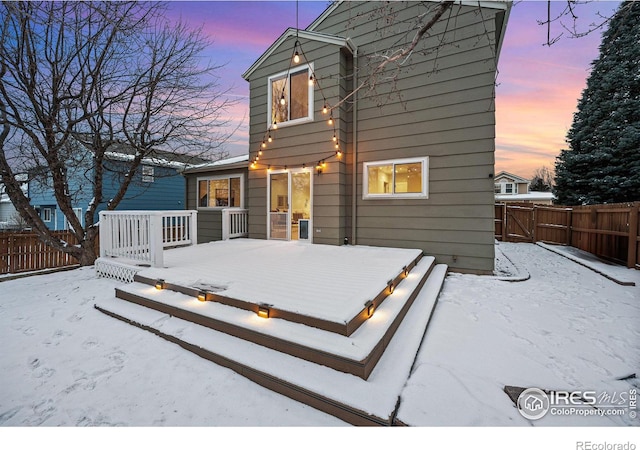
209, 220
306, 143
447, 115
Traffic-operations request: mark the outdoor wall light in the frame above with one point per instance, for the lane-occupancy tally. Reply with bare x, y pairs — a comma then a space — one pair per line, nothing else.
263, 312
202, 296
370, 308
159, 284
391, 286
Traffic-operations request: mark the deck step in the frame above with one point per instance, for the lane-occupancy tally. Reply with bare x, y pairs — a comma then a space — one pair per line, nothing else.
346, 328
368, 400
356, 354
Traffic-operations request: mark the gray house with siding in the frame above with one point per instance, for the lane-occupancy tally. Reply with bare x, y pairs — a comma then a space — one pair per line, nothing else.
408, 163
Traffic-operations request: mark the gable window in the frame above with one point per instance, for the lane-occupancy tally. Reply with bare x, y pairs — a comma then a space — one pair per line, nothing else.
46, 214
220, 192
508, 188
291, 97
147, 174
401, 178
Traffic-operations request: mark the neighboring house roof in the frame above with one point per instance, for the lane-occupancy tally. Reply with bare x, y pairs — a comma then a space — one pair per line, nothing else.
120, 151
515, 178
530, 196
308, 35
4, 197
236, 162
500, 4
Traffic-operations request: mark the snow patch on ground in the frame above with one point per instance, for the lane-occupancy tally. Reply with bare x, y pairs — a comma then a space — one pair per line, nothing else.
566, 327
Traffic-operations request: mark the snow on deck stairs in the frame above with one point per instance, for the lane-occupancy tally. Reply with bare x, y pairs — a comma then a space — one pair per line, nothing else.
355, 372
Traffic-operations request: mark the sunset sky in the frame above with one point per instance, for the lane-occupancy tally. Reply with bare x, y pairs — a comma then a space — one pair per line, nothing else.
538, 86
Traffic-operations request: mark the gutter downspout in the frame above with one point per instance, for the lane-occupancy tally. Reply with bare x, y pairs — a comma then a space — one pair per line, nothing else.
354, 168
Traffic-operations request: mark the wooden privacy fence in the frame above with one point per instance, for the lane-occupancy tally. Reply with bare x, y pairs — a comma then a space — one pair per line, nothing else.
24, 252
609, 231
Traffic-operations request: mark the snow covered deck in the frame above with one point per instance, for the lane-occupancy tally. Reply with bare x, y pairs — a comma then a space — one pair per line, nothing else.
333, 312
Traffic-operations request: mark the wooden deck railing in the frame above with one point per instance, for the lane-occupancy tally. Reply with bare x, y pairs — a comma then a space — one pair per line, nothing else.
235, 223
143, 235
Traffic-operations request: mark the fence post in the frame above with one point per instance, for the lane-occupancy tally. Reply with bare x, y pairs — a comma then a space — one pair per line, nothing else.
155, 239
193, 224
105, 232
534, 212
503, 211
569, 225
225, 224
11, 253
632, 255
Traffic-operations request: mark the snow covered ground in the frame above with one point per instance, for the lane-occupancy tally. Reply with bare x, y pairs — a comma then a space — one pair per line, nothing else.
564, 327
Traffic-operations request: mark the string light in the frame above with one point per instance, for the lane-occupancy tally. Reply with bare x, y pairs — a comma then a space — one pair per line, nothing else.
325, 109
264, 144
311, 80
282, 100
330, 122
275, 124
335, 138
296, 55
269, 138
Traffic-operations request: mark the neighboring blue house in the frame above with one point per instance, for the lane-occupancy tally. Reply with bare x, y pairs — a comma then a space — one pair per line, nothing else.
157, 185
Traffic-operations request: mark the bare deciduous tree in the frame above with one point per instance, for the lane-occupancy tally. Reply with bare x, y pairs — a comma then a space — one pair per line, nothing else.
78, 76
563, 20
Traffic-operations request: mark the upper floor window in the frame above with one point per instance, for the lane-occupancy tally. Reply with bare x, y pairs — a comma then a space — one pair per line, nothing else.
498, 188
401, 178
220, 192
291, 97
147, 174
508, 188
46, 214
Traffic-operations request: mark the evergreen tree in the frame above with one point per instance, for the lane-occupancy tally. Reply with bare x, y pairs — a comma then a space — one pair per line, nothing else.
602, 164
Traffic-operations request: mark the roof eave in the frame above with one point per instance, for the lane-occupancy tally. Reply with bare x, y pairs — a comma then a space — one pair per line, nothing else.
308, 35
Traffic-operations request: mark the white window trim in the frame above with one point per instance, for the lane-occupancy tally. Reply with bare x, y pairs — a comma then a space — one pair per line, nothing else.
311, 88
220, 177
407, 195
46, 212
78, 213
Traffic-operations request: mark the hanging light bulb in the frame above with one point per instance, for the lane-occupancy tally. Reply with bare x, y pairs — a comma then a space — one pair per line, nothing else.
338, 152
275, 124
335, 138
296, 55
264, 144
269, 138
337, 145
325, 109
311, 80
260, 152
330, 120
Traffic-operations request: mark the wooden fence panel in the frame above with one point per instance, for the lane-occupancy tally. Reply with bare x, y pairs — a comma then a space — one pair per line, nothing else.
608, 231
553, 224
520, 223
24, 252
